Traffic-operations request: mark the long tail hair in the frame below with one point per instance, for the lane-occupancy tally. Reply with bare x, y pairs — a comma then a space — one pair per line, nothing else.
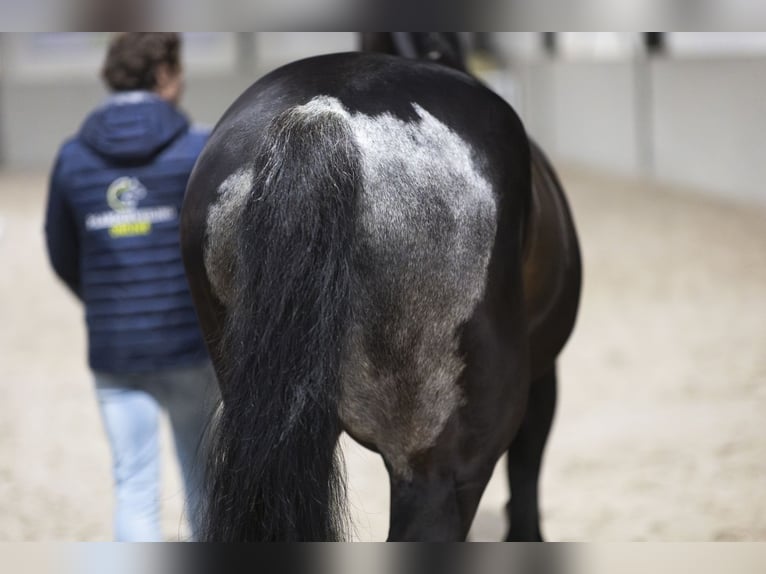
273, 472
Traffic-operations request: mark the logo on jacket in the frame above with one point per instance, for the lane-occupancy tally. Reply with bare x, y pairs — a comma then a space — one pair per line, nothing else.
124, 193
126, 219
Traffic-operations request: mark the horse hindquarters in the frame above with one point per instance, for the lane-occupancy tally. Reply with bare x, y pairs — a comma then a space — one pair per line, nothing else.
439, 196
437, 251
278, 246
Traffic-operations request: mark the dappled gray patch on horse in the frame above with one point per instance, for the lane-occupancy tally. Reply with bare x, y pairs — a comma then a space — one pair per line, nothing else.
222, 228
426, 220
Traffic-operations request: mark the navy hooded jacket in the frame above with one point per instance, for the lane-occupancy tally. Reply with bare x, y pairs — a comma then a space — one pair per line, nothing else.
112, 231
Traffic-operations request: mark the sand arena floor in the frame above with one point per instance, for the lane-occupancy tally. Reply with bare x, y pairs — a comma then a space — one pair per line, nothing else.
660, 432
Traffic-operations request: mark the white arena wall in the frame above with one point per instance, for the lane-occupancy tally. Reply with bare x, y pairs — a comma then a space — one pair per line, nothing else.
694, 122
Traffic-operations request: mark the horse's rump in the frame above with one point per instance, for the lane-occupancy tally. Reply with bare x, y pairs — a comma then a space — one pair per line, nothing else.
355, 221
426, 222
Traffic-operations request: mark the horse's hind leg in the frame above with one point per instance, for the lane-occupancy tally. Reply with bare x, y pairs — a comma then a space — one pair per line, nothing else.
439, 509
525, 457
424, 510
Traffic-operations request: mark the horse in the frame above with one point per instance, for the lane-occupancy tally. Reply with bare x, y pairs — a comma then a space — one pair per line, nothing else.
374, 245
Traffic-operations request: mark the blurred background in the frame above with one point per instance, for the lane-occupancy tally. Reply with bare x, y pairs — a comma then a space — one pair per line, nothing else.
684, 108
659, 141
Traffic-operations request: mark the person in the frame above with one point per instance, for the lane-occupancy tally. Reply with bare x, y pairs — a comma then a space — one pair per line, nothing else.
112, 231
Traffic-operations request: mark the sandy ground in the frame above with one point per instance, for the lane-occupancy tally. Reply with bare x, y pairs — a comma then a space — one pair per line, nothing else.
660, 432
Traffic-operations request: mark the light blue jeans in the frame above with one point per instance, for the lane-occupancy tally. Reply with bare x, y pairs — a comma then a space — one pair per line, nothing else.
130, 409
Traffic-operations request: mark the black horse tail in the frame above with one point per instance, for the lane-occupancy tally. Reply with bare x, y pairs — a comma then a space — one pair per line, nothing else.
274, 473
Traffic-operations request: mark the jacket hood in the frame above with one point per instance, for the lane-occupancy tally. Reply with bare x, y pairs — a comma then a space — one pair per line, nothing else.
133, 126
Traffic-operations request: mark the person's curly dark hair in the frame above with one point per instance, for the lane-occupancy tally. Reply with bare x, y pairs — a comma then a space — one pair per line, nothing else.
133, 57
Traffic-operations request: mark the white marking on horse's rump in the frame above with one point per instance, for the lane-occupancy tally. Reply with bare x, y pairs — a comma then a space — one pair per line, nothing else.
320, 105
426, 221
222, 229
425, 230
